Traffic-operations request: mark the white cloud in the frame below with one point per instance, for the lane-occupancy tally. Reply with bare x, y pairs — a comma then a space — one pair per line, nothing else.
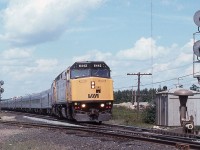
142, 50
37, 67
188, 47
94, 55
161, 67
16, 53
37, 21
183, 58
20, 63
189, 70
184, 54
165, 58
42, 65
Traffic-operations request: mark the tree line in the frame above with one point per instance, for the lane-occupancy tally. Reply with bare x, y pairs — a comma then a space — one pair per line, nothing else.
146, 95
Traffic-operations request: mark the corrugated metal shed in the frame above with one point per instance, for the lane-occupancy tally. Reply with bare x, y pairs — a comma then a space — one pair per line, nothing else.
167, 108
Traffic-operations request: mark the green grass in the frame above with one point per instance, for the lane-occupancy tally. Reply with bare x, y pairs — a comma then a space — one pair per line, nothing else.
124, 116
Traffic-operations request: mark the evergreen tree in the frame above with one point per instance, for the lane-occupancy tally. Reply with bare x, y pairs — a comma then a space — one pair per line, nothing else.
194, 88
146, 95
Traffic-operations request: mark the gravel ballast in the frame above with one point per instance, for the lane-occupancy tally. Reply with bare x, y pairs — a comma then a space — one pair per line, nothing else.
21, 138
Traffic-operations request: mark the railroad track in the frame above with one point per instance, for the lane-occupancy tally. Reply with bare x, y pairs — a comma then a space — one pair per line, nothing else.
193, 143
139, 129
179, 140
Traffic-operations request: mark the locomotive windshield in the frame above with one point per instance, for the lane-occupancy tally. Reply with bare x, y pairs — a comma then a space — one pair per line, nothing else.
89, 69
80, 73
105, 73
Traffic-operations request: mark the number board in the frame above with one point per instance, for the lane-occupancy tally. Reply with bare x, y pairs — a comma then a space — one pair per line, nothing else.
99, 65
89, 65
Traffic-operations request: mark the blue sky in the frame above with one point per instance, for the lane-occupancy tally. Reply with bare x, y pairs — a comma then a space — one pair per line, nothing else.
39, 39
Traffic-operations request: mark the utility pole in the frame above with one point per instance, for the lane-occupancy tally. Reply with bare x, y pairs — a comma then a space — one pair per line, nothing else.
132, 97
138, 91
133, 100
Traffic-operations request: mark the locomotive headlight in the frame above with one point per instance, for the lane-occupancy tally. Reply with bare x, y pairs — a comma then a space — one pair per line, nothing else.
102, 105
83, 105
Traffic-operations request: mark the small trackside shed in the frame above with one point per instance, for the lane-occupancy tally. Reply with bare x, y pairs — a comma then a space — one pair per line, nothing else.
167, 108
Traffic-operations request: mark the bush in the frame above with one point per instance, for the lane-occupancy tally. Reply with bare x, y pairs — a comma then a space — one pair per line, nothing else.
125, 116
149, 115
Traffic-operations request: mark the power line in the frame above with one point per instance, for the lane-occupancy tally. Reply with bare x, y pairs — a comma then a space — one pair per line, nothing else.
160, 81
170, 79
117, 76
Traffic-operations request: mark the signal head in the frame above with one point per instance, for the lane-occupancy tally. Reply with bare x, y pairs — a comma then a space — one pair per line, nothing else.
196, 48
197, 18
1, 82
1, 90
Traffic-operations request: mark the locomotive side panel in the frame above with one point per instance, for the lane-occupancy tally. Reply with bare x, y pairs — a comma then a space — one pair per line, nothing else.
59, 88
61, 91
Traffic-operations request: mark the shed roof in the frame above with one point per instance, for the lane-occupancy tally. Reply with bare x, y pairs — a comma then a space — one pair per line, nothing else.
171, 91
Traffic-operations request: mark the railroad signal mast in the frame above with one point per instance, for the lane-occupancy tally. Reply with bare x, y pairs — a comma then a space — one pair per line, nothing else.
1, 89
196, 48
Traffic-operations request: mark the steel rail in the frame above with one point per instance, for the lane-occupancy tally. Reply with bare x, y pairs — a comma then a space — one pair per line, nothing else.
161, 139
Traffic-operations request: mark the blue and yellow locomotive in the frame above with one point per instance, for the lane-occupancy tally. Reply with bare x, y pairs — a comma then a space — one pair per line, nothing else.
83, 92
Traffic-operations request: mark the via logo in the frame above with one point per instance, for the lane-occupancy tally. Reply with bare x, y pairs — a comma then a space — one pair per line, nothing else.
93, 95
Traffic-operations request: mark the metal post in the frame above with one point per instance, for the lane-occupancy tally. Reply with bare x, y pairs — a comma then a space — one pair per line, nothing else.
138, 96
135, 97
196, 47
132, 101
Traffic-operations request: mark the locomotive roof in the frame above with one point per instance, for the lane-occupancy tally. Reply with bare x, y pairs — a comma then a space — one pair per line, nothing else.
86, 64
89, 64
